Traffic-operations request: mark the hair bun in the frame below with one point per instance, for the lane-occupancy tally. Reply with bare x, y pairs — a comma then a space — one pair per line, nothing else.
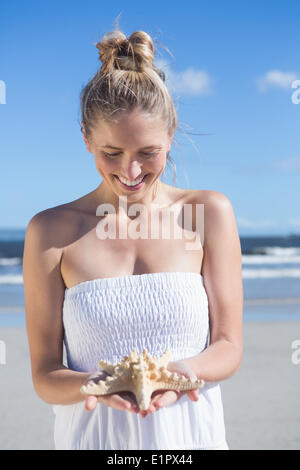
133, 53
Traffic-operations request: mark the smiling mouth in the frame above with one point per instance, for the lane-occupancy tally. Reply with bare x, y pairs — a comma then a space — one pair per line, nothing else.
134, 187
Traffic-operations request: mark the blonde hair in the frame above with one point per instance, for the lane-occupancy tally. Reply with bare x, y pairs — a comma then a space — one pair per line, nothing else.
127, 81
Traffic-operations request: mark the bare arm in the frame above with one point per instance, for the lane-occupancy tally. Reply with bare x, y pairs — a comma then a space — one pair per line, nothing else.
222, 273
44, 293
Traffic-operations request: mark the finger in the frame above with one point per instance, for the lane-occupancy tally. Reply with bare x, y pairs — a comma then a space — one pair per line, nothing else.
167, 398
116, 401
155, 399
160, 400
193, 395
120, 403
90, 402
130, 398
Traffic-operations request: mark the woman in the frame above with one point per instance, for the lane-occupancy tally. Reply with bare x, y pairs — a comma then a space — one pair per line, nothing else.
102, 294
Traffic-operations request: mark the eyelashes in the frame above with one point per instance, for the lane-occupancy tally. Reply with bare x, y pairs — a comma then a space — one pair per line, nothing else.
111, 155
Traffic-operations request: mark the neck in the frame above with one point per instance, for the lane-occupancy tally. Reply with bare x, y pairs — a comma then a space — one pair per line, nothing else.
103, 195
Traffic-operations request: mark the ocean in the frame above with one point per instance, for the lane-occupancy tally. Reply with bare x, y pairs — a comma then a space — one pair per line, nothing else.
271, 277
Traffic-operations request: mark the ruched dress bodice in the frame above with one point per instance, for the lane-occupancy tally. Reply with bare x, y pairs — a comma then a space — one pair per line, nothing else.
105, 319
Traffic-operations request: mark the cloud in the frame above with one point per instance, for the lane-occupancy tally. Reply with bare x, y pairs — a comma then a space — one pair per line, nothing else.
294, 222
266, 225
190, 81
283, 165
255, 224
287, 165
275, 79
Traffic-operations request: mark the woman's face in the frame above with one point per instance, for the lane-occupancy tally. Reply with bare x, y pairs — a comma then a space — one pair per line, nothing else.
130, 154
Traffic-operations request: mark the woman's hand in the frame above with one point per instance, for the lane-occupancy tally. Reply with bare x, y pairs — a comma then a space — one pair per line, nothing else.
161, 398
124, 401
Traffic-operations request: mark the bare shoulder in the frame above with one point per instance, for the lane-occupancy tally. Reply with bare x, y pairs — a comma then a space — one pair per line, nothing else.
217, 208
211, 199
47, 234
218, 215
213, 202
53, 224
57, 224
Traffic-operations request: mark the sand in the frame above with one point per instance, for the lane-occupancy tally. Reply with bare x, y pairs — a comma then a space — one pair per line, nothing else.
261, 401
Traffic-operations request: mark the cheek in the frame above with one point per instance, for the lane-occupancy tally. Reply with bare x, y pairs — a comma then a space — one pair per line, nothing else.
156, 165
104, 167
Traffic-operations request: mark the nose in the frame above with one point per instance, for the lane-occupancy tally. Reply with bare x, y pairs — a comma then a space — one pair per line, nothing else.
132, 170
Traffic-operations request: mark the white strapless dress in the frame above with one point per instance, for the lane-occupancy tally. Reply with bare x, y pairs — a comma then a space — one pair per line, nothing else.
106, 319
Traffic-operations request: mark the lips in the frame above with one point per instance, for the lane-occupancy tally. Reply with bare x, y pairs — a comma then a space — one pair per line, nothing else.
126, 178
131, 188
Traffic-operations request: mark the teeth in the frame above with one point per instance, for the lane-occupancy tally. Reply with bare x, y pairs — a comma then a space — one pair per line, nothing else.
131, 183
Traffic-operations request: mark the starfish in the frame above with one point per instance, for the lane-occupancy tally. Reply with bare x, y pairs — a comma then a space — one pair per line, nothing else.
141, 375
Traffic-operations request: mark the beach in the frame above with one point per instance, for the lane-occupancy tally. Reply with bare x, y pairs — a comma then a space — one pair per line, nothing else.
261, 401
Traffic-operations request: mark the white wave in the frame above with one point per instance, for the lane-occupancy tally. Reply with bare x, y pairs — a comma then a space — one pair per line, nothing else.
268, 259
11, 279
10, 261
270, 273
278, 250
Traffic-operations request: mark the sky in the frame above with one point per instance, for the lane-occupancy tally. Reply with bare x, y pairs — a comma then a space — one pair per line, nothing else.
230, 72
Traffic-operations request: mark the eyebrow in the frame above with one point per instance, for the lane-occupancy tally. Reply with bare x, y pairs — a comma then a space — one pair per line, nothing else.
143, 148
